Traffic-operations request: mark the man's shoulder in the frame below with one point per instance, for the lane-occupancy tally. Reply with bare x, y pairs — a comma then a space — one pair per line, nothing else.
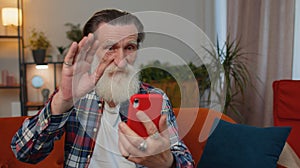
147, 88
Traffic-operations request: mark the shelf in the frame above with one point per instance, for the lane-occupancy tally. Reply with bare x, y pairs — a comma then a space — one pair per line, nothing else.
9, 87
60, 62
10, 37
34, 104
14, 35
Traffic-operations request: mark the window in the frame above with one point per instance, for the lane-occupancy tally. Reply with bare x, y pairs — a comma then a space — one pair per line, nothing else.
296, 59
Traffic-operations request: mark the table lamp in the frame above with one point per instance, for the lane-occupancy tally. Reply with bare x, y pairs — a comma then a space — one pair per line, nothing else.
11, 17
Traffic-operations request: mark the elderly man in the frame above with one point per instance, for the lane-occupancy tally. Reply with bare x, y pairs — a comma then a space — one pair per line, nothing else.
91, 105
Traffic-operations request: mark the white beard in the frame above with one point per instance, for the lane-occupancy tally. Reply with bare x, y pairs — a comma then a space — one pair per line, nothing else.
118, 85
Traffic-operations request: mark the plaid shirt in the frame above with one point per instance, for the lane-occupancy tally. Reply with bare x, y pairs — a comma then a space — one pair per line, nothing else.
35, 139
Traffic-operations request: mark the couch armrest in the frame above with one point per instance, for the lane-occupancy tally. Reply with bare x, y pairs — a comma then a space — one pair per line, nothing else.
8, 127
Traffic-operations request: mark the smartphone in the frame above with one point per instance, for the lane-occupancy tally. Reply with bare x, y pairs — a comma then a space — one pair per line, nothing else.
151, 104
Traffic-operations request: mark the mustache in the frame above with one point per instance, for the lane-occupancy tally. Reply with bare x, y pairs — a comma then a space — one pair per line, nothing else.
113, 69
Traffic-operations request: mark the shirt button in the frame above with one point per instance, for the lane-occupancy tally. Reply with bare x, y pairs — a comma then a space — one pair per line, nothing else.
95, 129
88, 156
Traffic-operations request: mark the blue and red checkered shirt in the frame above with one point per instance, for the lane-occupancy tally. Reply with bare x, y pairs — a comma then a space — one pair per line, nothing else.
35, 139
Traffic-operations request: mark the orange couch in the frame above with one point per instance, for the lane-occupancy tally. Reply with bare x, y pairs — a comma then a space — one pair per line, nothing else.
190, 122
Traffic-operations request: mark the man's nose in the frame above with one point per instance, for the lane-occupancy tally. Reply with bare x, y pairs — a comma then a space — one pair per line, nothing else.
120, 60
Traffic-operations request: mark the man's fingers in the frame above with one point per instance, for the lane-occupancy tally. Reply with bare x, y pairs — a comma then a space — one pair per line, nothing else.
130, 133
129, 139
90, 47
91, 53
84, 46
149, 125
79, 48
86, 42
163, 126
101, 68
69, 59
122, 149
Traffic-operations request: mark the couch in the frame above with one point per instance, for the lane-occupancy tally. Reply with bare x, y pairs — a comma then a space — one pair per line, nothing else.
191, 122
8, 127
286, 111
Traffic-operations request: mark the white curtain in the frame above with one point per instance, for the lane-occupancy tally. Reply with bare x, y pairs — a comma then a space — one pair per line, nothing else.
265, 28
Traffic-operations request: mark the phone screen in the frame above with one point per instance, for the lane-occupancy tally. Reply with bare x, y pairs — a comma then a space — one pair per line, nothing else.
151, 104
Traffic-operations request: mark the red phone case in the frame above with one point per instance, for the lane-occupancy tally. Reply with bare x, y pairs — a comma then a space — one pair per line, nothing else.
151, 104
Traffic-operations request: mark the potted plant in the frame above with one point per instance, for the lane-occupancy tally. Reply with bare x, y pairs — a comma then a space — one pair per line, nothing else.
61, 50
38, 43
166, 77
236, 77
75, 32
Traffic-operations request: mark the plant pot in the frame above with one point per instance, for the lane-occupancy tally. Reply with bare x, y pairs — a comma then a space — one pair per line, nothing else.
39, 56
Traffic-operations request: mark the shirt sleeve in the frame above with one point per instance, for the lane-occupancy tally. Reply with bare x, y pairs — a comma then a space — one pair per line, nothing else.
35, 139
182, 156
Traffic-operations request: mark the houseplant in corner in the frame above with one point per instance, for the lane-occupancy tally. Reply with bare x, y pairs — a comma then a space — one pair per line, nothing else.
236, 75
38, 43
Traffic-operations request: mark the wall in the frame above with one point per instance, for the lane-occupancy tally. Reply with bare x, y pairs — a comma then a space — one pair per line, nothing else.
50, 17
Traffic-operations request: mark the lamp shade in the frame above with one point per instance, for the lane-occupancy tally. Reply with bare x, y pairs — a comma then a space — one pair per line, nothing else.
10, 17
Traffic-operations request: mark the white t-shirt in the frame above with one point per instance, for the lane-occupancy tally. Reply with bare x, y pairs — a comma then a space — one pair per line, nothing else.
106, 152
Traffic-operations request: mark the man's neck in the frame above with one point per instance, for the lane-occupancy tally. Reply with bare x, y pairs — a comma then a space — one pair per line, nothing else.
111, 104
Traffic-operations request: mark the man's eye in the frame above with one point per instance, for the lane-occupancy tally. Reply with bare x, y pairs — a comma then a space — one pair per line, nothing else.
131, 47
108, 48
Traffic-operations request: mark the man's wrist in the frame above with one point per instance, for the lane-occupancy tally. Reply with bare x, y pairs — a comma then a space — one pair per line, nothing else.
60, 105
174, 162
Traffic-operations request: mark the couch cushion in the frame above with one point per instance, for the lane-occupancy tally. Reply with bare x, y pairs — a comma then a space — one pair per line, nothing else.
236, 145
194, 125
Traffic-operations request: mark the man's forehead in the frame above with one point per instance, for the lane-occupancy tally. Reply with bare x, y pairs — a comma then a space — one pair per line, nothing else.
114, 33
